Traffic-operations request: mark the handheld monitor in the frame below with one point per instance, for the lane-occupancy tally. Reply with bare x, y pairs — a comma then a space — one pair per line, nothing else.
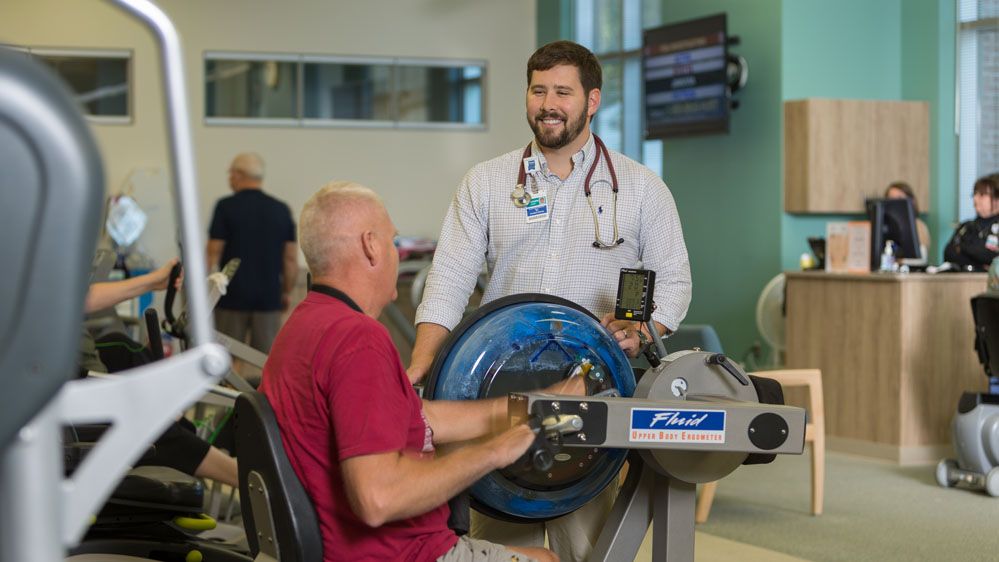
635, 288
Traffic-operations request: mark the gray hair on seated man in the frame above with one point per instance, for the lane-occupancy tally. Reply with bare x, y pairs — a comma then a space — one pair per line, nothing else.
348, 240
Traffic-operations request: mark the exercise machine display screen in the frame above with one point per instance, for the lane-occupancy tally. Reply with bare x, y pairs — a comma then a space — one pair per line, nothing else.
634, 294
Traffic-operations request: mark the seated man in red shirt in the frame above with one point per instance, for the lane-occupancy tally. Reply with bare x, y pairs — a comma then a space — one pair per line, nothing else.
360, 439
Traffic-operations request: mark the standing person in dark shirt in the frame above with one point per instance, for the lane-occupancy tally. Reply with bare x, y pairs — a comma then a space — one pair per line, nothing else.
259, 230
976, 243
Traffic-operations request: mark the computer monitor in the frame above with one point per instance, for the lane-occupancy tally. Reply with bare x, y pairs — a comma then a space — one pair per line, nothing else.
893, 219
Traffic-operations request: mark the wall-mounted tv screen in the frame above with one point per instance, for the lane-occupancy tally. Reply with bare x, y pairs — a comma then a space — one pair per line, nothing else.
686, 84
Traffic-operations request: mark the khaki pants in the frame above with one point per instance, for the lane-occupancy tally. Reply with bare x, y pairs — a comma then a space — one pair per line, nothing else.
571, 536
262, 327
475, 550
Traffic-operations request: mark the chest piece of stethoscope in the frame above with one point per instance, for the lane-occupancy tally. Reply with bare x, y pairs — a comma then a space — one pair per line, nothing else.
520, 196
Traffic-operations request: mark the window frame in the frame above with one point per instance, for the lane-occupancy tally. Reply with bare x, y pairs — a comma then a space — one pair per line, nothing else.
128, 55
301, 121
968, 131
633, 142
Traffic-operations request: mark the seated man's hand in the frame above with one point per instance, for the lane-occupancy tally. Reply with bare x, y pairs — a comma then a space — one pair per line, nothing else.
625, 332
511, 444
572, 386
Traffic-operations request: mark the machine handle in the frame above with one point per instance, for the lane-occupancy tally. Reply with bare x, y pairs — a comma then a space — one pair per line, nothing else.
541, 454
171, 293
174, 325
720, 359
153, 331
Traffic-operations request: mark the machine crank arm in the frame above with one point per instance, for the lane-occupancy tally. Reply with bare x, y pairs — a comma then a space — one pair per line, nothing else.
720, 359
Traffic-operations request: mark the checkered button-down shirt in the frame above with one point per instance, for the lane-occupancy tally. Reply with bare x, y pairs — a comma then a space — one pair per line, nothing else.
557, 256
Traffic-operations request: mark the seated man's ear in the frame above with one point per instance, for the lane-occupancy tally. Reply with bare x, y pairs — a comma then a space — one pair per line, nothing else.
370, 246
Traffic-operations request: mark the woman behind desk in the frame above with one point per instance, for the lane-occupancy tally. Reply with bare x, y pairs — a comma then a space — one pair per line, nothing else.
902, 190
976, 243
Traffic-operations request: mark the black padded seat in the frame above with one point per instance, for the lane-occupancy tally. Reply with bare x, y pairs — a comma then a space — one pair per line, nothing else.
985, 310
160, 486
273, 501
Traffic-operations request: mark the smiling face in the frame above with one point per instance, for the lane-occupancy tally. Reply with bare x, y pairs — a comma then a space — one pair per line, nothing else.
558, 108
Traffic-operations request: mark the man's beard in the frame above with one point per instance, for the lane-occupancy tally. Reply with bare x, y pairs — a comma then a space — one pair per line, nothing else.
571, 129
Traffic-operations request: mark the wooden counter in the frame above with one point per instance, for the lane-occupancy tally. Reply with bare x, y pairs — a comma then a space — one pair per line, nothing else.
896, 352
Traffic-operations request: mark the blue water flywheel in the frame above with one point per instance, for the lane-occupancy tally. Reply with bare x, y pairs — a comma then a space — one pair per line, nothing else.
521, 343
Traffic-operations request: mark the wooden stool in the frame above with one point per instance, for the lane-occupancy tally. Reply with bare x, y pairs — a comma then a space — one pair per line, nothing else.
815, 436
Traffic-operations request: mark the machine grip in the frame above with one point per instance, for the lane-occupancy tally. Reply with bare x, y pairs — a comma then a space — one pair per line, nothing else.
171, 293
540, 455
153, 331
720, 359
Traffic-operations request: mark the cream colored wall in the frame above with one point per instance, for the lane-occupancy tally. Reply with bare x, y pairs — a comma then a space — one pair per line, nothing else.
416, 171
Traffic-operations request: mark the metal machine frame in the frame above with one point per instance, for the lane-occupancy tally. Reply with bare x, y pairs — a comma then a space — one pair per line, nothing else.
43, 513
662, 475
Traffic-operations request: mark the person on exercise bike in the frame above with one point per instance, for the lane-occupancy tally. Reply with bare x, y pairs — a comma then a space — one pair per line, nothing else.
178, 448
360, 440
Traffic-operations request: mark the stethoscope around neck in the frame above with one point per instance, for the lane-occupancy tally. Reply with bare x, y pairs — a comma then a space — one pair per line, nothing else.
521, 197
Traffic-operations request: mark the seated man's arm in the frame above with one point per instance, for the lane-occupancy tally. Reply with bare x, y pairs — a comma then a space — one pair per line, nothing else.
462, 420
387, 487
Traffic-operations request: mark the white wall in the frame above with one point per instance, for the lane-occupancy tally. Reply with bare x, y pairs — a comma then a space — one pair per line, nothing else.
416, 171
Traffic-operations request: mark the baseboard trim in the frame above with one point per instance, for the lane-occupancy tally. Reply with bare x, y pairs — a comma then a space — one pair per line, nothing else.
902, 455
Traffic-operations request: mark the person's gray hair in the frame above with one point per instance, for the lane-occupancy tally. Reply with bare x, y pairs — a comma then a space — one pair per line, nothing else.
325, 225
250, 163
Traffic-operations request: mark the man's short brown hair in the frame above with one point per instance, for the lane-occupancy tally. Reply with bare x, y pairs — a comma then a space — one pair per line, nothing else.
568, 53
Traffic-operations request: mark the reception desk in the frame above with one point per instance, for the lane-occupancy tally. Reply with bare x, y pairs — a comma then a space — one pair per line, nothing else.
896, 352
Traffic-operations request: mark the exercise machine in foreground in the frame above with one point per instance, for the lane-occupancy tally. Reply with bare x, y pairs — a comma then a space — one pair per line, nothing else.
53, 176
693, 418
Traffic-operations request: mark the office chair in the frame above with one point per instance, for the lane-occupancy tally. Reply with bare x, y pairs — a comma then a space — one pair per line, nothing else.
690, 336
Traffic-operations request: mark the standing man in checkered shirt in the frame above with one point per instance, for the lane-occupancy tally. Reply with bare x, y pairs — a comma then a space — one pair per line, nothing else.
552, 237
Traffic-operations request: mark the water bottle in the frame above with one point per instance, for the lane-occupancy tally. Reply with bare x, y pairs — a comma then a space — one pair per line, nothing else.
888, 257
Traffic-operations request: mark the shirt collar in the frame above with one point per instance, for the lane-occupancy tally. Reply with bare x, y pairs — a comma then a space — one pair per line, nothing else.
337, 294
581, 157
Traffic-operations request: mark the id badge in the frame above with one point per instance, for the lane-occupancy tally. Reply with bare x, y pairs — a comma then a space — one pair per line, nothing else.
537, 209
992, 243
532, 165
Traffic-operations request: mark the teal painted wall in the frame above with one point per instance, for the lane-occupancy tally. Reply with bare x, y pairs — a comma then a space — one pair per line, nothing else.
929, 72
728, 187
845, 49
554, 21
883, 49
